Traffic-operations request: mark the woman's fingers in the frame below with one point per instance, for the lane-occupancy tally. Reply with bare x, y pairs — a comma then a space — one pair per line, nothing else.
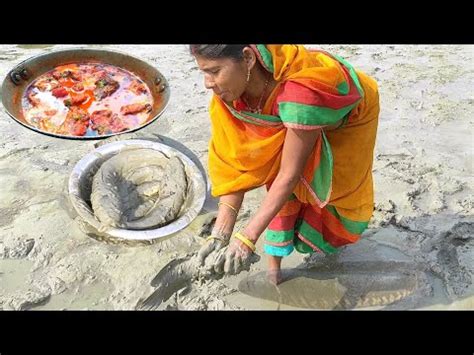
219, 261
207, 249
229, 262
204, 252
237, 264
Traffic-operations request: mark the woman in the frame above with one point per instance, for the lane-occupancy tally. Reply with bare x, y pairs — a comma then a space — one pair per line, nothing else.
301, 122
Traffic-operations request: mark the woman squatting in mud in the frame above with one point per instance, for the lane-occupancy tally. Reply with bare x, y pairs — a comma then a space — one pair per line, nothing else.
301, 122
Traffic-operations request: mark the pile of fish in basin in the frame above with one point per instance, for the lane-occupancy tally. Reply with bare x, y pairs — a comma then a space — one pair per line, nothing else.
136, 191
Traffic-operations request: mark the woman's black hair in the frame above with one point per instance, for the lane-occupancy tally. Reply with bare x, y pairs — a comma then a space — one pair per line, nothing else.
218, 51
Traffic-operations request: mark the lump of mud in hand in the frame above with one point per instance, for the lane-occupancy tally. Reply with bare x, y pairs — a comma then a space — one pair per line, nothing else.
138, 189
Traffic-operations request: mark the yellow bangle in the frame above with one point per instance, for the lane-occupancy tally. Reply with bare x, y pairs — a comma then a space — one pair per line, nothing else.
217, 238
245, 240
230, 206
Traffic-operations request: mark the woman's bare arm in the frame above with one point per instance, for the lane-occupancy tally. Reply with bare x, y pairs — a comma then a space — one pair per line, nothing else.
226, 217
297, 148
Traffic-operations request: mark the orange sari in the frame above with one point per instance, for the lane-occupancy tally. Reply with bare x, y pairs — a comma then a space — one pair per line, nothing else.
333, 202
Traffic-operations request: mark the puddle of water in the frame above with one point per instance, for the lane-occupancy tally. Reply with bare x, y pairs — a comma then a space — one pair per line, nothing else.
252, 303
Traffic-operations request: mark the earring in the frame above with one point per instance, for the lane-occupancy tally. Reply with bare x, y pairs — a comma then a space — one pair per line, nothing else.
248, 75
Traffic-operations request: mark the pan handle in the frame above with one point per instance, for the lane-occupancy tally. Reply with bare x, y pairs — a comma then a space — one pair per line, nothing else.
159, 81
19, 74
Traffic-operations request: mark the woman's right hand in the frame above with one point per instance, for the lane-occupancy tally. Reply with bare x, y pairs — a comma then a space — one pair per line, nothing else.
213, 249
212, 246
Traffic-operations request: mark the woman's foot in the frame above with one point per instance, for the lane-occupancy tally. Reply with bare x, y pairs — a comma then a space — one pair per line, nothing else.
274, 269
274, 277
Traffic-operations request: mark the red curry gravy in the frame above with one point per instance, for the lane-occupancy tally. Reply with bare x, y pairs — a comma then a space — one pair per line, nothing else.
87, 99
